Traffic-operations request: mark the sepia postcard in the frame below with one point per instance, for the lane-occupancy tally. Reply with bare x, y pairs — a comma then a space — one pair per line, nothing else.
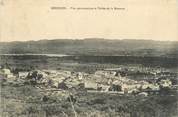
88, 58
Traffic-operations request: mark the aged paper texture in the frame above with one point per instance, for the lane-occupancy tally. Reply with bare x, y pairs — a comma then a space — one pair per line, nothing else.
88, 58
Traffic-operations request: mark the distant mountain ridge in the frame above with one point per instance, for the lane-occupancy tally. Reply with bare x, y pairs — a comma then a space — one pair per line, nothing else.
102, 47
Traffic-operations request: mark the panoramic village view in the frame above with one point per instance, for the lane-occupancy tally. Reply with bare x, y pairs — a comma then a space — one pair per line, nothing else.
88, 85
88, 58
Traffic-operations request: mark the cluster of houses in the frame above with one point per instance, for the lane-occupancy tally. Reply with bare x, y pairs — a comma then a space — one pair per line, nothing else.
101, 81
6, 73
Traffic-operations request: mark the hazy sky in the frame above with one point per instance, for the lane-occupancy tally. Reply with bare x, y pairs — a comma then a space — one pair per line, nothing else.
23, 20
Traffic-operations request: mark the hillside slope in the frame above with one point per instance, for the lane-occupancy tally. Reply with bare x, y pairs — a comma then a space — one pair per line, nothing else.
93, 47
